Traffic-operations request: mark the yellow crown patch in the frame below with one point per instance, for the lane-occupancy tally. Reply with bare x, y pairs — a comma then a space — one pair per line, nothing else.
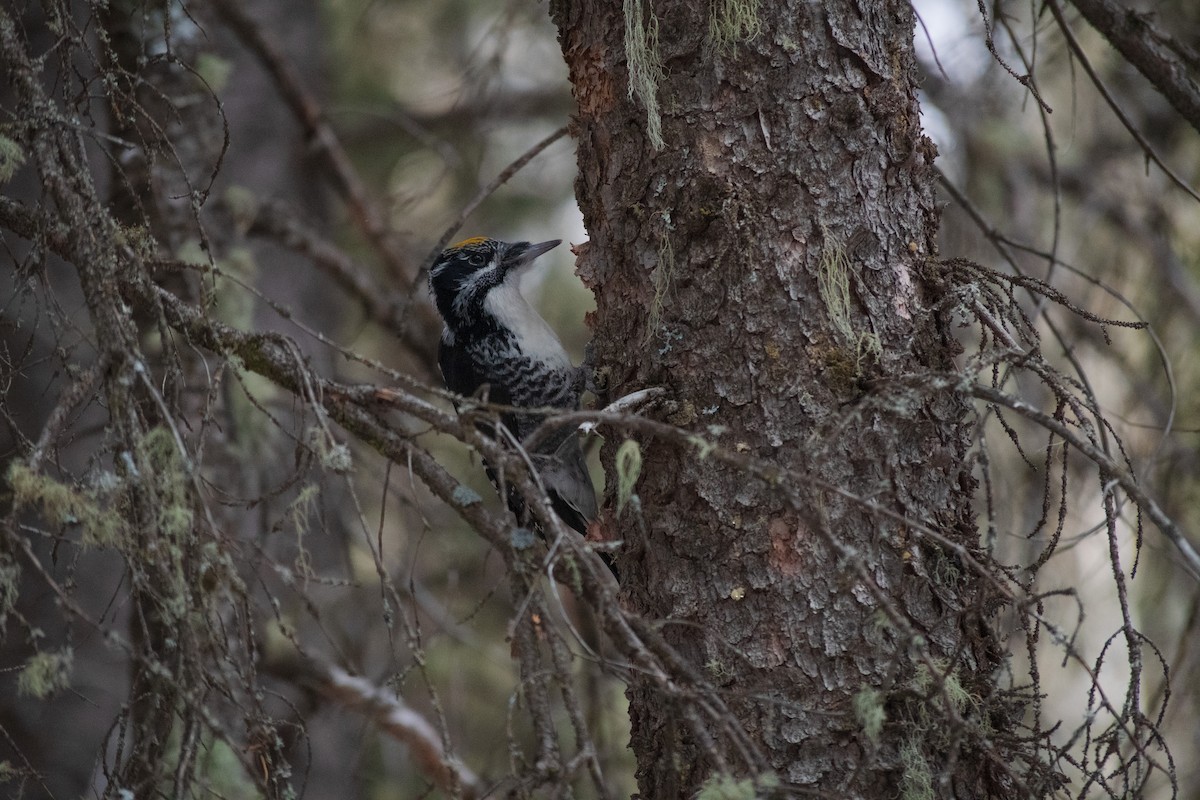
474, 240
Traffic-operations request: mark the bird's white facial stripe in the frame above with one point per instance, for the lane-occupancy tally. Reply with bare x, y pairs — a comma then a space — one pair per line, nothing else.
470, 288
534, 336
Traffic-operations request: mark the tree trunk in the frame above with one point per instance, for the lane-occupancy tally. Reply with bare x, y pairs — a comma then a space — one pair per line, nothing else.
771, 255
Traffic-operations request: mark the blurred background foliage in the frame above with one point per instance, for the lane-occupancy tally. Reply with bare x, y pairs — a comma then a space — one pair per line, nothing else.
433, 100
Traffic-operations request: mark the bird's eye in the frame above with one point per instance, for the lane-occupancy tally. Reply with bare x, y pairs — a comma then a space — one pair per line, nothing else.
476, 260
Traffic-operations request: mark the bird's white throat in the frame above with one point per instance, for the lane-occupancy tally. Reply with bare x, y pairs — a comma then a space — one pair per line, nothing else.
534, 335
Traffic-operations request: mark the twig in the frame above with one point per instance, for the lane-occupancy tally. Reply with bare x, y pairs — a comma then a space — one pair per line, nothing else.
1025, 80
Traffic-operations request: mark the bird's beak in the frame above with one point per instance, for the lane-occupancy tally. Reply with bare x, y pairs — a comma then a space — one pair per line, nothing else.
532, 251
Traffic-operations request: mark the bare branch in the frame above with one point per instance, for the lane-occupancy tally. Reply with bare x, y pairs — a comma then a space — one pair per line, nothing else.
1169, 64
398, 720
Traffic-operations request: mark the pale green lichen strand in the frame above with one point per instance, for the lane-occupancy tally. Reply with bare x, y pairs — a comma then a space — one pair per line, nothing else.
11, 158
663, 274
869, 711
45, 673
645, 64
833, 284
917, 780
732, 22
66, 505
629, 467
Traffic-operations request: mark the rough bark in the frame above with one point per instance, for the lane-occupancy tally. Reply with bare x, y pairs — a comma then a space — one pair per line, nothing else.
791, 160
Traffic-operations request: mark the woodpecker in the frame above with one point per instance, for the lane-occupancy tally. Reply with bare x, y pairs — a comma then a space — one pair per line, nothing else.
494, 338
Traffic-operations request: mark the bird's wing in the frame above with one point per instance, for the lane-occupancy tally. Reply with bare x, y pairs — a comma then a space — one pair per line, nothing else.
565, 475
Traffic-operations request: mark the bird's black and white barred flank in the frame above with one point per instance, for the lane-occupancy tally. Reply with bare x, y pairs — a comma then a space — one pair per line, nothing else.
493, 338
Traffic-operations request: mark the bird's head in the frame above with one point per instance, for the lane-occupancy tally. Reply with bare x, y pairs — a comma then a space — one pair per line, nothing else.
465, 272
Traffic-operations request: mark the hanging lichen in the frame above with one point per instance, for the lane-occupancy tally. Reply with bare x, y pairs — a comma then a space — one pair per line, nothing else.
662, 277
629, 467
833, 283
645, 64
732, 22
